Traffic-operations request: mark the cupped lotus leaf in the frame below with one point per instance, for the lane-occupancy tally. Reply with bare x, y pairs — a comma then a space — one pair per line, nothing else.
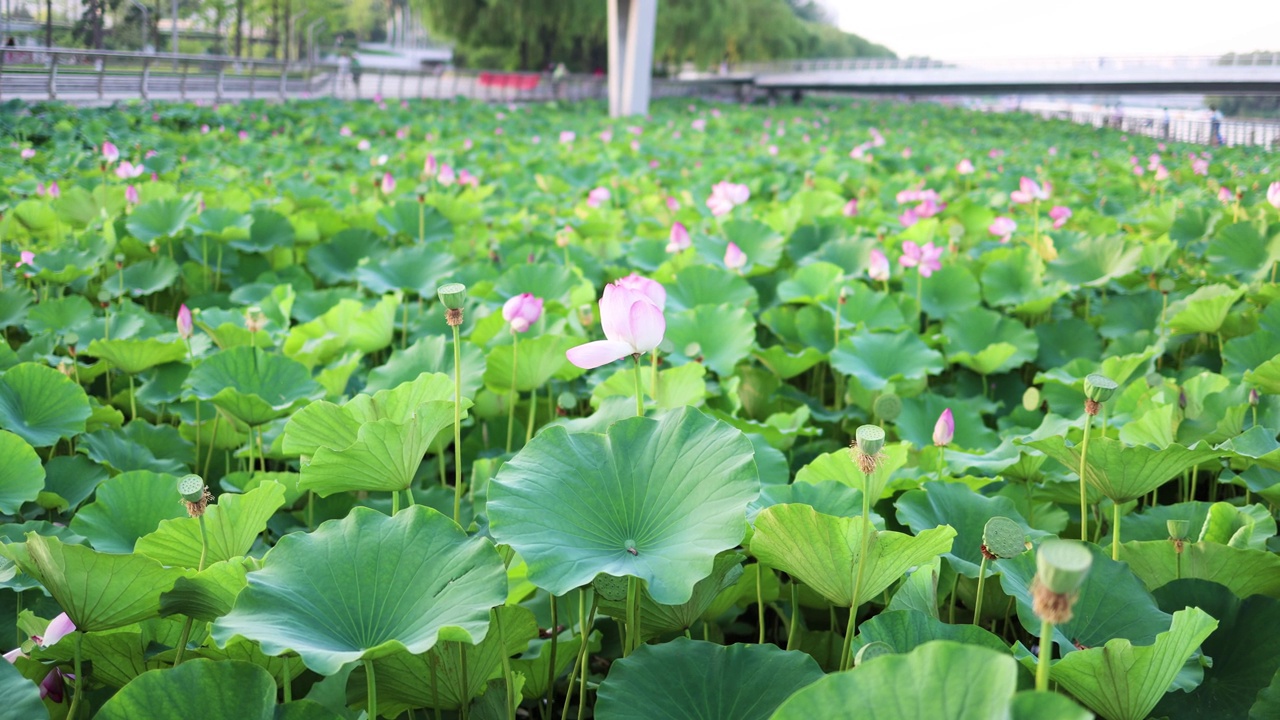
1245, 650
1240, 250
1112, 603
158, 219
415, 221
811, 284
368, 586
653, 499
1258, 444
963, 509
270, 230
950, 290
252, 385
132, 356
1093, 261
22, 477
761, 243
941, 680
875, 359
695, 680
1245, 572
870, 310
126, 507
537, 361
987, 342
14, 302
822, 551
1265, 377
431, 354
121, 451
98, 591
41, 405
227, 690
232, 523
838, 466
1014, 277
21, 696
1204, 310
344, 327
905, 630
143, 278
221, 223
1125, 472
1247, 526
209, 594
1122, 682
677, 386
656, 619
787, 365
718, 336
416, 269
338, 260
709, 285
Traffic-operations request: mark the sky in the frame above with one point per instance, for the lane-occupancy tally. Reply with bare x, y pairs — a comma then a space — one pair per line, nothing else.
958, 29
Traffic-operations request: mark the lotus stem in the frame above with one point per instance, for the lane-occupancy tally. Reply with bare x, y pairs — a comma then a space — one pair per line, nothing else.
555, 634
580, 665
515, 395
836, 376
1115, 530
533, 416
81, 684
760, 600
395, 502
506, 666
653, 377
1046, 648
204, 542
133, 402
373, 690
408, 495
464, 701
845, 655
404, 333
633, 616
209, 457
1084, 495
795, 614
982, 576
457, 430
435, 687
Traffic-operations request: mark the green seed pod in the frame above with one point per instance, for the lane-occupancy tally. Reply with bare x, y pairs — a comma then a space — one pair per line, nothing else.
610, 587
1099, 388
453, 295
567, 401
191, 488
1003, 538
870, 439
1166, 285
1178, 529
887, 407
1062, 565
1031, 399
871, 651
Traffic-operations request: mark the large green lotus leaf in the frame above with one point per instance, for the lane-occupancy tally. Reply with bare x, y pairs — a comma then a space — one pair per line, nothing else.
827, 497
21, 696
346, 326
1265, 377
654, 499
270, 230
1014, 277
210, 593
126, 507
98, 591
1240, 250
213, 690
549, 281
537, 360
787, 365
132, 356
695, 680
1093, 261
338, 260
21, 474
1122, 682
232, 524
811, 284
385, 455
1112, 603
718, 336
157, 219
143, 278
415, 221
838, 467
709, 285
1248, 526
433, 354
949, 290
415, 269
920, 414
1124, 472
41, 405
14, 302
367, 586
1245, 572
1204, 310
1258, 444
323, 424
119, 451
762, 245
1245, 650
973, 334
956, 505
875, 359
252, 385
824, 551
870, 310
905, 630
405, 680
656, 619
923, 684
222, 223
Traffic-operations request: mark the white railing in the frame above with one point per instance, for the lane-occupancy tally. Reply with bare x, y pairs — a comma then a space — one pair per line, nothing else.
1121, 62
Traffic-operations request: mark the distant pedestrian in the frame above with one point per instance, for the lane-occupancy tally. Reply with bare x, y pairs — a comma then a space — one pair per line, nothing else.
1165, 122
1118, 116
1215, 125
356, 70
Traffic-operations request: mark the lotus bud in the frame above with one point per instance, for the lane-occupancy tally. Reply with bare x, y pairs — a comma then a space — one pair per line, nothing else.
1097, 390
454, 297
1253, 397
887, 407
944, 431
1003, 538
1031, 399
871, 651
184, 323
1182, 399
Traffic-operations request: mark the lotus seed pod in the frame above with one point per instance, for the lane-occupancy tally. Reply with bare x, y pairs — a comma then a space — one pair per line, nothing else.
870, 439
1031, 399
610, 587
191, 488
1154, 379
871, 651
887, 407
453, 295
1003, 538
1099, 388
1178, 529
1062, 565
1166, 285
567, 400
693, 350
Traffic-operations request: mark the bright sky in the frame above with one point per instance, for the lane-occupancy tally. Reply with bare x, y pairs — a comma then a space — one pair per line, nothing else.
957, 29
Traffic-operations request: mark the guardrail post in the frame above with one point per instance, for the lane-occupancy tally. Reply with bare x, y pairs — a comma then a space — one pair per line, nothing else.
3, 54
217, 85
182, 82
102, 76
284, 78
253, 78
422, 78
146, 73
53, 77
382, 75
401, 91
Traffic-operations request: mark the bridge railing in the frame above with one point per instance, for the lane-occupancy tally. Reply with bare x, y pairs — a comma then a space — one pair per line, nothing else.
1171, 62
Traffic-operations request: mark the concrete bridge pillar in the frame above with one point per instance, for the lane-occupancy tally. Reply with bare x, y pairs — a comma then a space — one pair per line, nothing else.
632, 26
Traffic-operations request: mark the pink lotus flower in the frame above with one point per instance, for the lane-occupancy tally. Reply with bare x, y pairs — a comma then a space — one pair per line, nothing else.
1200, 166
773, 149
446, 176
109, 152
344, 131
725, 196
908, 218
59, 628
906, 153
606, 136
430, 167
878, 266
244, 136
1003, 228
127, 170
1137, 170
26, 257
635, 146
1162, 173
651, 289
363, 145
859, 152
633, 325
13, 655
388, 184
1029, 190
53, 190
699, 124
1153, 161
850, 208
928, 209
1273, 194
673, 205
204, 129
1060, 214
598, 197
28, 153
679, 238
53, 687
467, 144
184, 323
522, 311
1225, 195
944, 431
964, 167
734, 258
402, 133
466, 178
567, 136
131, 195
925, 259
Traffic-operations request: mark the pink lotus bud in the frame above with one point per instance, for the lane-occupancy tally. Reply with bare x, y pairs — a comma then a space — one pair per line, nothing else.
944, 431
964, 167
878, 266
851, 208
26, 257
1060, 214
388, 184
131, 195
185, 326
679, 238
28, 153
109, 152
1273, 194
598, 197
54, 191
522, 311
734, 258
567, 136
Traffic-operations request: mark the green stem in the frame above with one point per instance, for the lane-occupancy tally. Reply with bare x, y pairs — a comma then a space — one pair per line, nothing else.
457, 431
1046, 648
182, 641
81, 681
395, 502
1084, 496
795, 614
209, 458
633, 616
653, 375
373, 689
845, 656
583, 650
506, 667
1115, 530
204, 544
465, 702
760, 600
982, 576
404, 334
533, 416
435, 687
515, 395
941, 463
133, 403
554, 642
408, 496
639, 387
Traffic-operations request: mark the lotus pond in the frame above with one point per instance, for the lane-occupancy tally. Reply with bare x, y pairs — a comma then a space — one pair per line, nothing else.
835, 410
